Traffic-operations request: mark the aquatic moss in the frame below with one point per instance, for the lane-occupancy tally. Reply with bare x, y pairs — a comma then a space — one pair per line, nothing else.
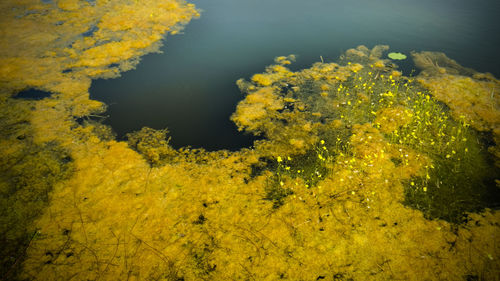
478, 99
152, 144
204, 215
64, 57
28, 173
439, 158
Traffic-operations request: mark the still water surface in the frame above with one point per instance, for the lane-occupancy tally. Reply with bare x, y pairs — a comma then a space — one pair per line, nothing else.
190, 88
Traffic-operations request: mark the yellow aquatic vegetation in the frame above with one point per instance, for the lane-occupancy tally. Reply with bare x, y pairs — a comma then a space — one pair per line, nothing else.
340, 232
471, 96
165, 204
284, 60
257, 106
396, 74
273, 74
495, 150
41, 44
152, 144
287, 87
392, 118
364, 52
355, 67
478, 101
370, 147
143, 211
68, 5
421, 134
46, 44
28, 170
262, 79
379, 64
437, 63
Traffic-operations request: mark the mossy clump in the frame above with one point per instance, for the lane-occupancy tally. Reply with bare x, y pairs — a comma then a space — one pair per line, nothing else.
102, 131
152, 145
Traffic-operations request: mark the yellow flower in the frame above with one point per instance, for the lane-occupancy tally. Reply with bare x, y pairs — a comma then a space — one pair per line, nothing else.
279, 159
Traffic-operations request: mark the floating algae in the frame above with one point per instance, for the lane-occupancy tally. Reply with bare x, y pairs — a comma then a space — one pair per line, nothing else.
49, 52
28, 172
438, 158
320, 197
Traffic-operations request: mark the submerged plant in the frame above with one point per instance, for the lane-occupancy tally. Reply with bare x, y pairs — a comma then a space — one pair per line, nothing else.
29, 172
439, 159
319, 197
152, 144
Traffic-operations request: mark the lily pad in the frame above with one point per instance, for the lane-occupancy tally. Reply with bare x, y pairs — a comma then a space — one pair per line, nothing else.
397, 56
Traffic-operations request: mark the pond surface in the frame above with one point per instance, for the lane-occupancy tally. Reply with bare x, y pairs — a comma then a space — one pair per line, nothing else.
190, 88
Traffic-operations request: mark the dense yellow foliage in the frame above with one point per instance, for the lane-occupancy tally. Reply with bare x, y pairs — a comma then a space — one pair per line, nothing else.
470, 95
58, 46
478, 101
118, 218
115, 214
257, 106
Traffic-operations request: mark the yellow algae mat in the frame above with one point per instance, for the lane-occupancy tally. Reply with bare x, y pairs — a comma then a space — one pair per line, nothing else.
362, 173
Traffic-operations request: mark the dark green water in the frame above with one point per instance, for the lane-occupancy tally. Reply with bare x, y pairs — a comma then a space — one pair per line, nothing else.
190, 88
